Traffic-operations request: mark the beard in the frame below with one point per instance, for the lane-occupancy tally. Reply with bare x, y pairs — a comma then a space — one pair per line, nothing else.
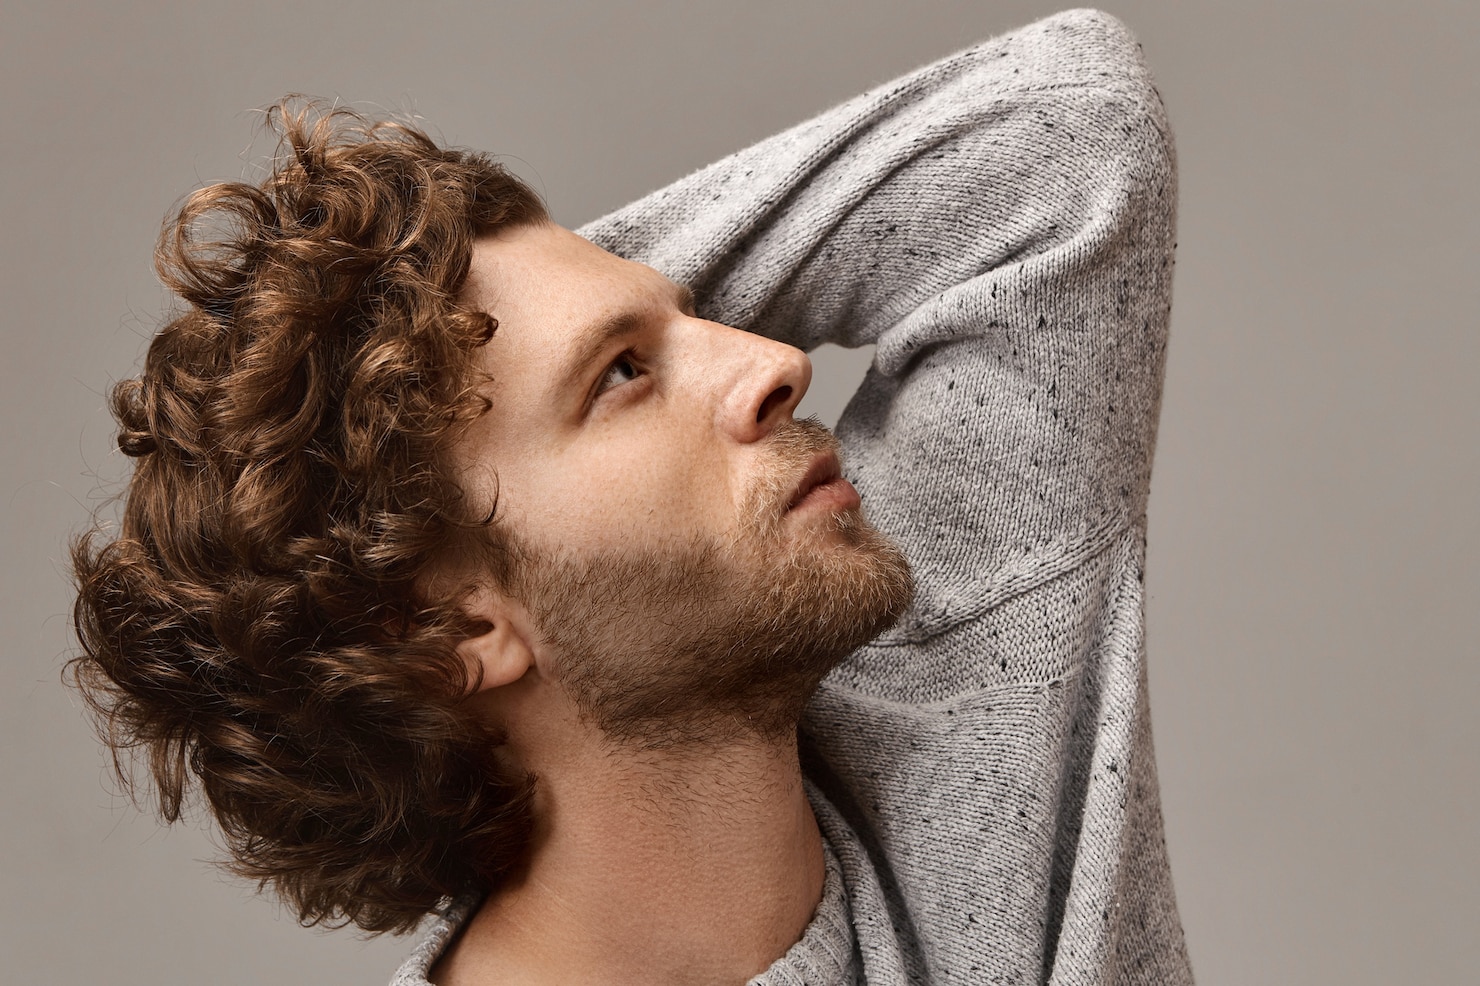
706, 640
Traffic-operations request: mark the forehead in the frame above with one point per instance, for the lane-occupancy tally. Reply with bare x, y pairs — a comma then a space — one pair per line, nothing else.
545, 274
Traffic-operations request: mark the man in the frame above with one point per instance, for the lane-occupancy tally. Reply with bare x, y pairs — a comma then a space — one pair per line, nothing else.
472, 558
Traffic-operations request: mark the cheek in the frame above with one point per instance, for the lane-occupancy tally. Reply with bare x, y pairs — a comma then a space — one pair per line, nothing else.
648, 485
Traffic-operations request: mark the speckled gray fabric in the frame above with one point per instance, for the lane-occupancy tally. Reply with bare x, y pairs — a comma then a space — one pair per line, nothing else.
1000, 224
436, 931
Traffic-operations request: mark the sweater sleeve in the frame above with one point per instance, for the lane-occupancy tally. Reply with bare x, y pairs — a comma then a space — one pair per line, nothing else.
1000, 225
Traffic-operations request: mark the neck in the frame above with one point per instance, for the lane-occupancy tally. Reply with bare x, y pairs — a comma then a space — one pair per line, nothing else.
667, 867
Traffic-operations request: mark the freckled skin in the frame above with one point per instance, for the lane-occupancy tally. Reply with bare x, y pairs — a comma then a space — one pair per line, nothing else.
672, 448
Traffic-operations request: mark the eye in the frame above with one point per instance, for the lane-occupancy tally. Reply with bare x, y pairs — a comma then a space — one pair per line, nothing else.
624, 369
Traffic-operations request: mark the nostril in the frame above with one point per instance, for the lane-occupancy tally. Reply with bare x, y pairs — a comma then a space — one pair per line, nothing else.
773, 400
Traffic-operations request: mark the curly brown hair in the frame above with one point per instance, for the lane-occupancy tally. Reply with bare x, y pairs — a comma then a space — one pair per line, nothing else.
260, 627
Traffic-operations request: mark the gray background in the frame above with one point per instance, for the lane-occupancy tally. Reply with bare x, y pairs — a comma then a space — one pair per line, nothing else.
1314, 531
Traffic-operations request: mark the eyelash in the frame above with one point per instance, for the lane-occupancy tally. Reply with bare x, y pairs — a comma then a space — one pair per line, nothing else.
629, 358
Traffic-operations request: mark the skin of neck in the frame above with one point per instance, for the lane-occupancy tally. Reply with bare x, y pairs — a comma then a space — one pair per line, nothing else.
696, 866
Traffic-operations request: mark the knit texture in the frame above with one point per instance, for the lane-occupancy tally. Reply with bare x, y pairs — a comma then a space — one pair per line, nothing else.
1000, 225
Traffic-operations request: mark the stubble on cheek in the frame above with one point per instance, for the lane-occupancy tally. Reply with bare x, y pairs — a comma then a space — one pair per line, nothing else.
697, 639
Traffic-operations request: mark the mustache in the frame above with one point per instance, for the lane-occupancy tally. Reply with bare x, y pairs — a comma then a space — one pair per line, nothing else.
790, 449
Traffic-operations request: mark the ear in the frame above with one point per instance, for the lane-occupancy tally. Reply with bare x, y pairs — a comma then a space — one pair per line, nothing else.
502, 653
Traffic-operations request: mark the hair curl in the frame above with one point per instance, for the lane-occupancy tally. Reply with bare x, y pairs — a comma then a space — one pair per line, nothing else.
257, 625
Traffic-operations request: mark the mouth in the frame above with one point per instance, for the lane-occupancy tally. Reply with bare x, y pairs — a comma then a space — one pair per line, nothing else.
824, 484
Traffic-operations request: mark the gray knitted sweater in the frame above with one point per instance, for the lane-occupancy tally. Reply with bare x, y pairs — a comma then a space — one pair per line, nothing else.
1000, 224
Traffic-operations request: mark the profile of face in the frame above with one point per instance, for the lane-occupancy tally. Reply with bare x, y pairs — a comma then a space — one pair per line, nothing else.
690, 562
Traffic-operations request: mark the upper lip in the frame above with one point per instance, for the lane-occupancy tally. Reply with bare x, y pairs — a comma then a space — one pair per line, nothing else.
825, 468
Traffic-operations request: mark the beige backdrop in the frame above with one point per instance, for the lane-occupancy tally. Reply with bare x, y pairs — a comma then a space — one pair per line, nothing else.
1314, 522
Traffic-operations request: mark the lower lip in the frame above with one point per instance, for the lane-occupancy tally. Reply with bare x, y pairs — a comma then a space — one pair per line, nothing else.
838, 494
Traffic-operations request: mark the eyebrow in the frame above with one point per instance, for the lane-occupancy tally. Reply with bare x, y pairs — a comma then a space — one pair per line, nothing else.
596, 339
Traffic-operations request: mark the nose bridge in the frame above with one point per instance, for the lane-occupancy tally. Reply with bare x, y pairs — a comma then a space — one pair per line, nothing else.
761, 381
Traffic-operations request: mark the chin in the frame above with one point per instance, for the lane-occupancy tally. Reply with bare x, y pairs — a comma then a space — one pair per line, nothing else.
687, 644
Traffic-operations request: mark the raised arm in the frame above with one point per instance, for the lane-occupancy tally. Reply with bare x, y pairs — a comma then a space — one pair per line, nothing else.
1000, 223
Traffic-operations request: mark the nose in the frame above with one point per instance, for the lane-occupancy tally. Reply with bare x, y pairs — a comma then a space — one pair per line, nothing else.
764, 383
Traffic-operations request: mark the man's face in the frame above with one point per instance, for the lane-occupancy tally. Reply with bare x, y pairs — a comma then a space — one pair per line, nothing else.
692, 556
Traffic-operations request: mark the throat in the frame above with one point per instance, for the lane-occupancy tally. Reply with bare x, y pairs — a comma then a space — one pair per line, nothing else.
654, 868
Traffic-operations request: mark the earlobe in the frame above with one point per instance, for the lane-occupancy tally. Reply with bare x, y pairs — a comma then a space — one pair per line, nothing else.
501, 654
